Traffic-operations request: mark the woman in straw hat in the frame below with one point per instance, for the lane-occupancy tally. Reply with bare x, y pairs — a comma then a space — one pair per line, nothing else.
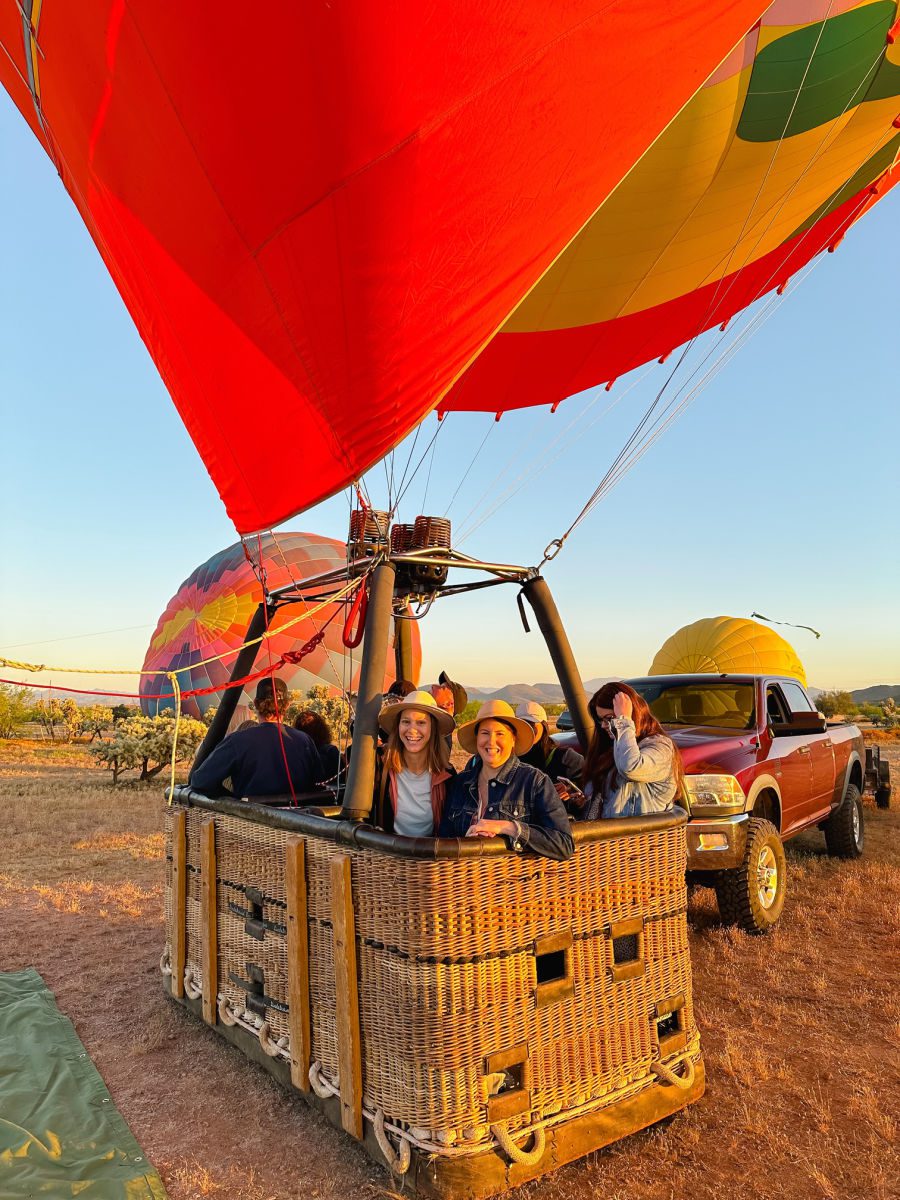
499, 796
415, 766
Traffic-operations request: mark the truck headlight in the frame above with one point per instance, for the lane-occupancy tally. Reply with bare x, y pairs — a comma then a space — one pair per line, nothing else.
715, 792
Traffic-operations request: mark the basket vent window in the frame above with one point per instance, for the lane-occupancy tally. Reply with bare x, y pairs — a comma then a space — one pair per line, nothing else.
626, 949
671, 1025
627, 938
667, 1025
551, 966
554, 976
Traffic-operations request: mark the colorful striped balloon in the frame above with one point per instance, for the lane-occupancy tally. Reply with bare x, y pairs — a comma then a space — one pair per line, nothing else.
209, 614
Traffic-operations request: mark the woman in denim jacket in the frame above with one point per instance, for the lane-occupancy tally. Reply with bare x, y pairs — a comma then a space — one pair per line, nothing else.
632, 767
498, 796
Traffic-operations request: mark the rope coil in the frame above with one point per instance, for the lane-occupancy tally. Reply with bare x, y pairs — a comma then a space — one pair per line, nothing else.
667, 1074
397, 1163
514, 1153
165, 962
322, 1087
226, 1016
192, 989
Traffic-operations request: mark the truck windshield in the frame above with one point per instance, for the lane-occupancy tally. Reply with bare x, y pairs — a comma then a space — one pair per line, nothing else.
716, 705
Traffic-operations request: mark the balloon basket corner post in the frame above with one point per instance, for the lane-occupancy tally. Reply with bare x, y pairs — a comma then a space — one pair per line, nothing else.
474, 1017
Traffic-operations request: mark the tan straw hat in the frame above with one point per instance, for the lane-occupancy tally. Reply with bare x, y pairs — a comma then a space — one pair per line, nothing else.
499, 710
420, 701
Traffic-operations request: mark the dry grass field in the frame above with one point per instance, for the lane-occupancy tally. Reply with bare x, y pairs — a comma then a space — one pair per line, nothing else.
801, 1030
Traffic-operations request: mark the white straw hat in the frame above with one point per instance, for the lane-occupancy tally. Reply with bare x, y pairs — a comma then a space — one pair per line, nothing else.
497, 710
419, 701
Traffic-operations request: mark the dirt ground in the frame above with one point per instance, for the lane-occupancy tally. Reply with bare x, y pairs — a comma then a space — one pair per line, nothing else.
801, 1030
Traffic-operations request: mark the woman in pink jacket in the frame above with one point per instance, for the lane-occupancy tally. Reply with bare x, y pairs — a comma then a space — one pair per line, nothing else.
415, 766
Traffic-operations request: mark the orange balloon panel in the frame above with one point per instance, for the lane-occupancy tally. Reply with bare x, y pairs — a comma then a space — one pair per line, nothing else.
319, 213
209, 614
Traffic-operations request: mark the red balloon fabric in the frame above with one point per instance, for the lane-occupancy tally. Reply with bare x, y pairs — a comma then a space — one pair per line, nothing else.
319, 214
209, 614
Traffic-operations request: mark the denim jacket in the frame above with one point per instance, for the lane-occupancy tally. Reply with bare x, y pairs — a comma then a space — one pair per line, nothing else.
518, 793
643, 778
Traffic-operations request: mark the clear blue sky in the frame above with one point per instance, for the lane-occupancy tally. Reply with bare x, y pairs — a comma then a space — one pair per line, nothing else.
777, 491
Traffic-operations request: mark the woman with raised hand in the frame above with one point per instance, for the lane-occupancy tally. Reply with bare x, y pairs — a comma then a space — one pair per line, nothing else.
497, 795
632, 767
415, 766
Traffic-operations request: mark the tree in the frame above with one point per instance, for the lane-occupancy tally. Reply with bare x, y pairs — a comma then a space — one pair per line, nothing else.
207, 717
95, 720
889, 714
15, 708
333, 709
836, 703
63, 716
145, 743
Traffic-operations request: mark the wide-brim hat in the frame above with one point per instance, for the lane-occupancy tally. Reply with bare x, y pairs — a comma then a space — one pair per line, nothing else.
499, 710
420, 701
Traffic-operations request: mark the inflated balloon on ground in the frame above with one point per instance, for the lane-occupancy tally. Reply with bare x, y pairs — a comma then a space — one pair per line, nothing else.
209, 614
727, 645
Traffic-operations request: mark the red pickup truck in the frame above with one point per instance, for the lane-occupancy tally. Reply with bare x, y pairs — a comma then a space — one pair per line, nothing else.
761, 765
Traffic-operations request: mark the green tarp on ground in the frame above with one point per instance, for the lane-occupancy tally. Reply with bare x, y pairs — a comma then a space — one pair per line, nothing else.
60, 1133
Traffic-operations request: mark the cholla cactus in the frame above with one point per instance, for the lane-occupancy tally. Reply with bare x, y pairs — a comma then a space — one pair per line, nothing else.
146, 743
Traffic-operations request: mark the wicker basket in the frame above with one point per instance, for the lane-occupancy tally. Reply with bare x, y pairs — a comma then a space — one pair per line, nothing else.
449, 1004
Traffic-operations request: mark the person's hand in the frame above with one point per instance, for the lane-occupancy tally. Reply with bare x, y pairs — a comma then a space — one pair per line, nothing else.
622, 705
485, 828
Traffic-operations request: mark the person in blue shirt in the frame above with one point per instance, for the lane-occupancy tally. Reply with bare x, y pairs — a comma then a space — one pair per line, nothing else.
257, 760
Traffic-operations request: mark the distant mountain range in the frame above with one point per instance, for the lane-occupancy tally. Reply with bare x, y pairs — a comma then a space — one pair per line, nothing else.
552, 693
541, 693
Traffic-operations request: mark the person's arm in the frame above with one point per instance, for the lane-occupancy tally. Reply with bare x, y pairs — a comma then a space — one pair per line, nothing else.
548, 832
573, 765
213, 771
647, 762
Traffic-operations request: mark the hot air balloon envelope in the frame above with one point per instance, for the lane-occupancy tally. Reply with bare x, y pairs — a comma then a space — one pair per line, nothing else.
727, 646
209, 614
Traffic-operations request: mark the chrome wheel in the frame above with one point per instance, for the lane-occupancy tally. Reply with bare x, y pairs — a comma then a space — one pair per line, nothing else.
856, 824
766, 877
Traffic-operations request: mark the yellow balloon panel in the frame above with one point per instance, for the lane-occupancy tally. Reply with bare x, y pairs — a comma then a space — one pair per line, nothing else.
727, 645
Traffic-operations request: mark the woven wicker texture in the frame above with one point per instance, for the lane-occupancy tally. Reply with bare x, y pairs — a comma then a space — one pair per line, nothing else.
447, 967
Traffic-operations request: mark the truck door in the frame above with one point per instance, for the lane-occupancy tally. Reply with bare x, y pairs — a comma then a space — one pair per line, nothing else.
791, 764
821, 750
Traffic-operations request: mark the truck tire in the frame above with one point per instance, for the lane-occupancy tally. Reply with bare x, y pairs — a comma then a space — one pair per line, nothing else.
844, 832
751, 896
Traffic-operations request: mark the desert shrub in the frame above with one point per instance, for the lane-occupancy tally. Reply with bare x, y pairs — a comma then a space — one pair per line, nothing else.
16, 706
145, 744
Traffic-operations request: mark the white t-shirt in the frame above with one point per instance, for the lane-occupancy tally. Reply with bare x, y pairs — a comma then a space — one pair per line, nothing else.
414, 816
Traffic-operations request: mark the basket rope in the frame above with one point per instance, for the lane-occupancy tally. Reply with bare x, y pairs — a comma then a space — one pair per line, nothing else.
397, 1163
319, 1084
513, 1152
193, 990
667, 1075
226, 1016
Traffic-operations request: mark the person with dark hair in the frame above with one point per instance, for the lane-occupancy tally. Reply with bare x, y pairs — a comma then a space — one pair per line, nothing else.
269, 759
497, 795
457, 691
559, 762
414, 768
320, 731
632, 767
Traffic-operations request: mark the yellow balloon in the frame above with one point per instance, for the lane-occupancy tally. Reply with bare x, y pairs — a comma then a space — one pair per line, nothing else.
727, 645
